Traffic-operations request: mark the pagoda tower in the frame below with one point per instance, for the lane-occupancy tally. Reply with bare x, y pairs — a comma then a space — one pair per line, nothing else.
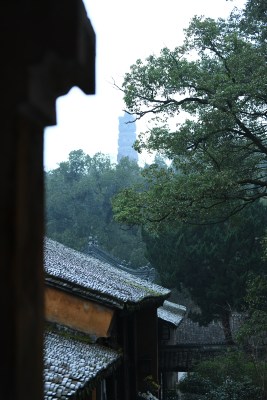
127, 137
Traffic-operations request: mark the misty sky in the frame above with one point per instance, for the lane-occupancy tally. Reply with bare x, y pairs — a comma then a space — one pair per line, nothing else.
125, 31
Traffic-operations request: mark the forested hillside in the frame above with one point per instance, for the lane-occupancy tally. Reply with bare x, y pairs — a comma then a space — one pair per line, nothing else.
78, 205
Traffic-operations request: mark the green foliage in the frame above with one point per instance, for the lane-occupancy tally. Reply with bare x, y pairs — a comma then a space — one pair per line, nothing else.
228, 377
252, 334
255, 20
254, 328
213, 89
207, 99
232, 390
195, 384
78, 205
213, 262
234, 364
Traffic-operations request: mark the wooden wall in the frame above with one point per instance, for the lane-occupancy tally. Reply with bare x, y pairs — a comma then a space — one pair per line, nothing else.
77, 313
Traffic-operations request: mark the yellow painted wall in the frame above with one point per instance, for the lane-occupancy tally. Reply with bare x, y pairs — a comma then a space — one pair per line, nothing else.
77, 313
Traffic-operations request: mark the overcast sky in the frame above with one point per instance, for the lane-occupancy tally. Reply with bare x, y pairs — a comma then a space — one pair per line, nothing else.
125, 31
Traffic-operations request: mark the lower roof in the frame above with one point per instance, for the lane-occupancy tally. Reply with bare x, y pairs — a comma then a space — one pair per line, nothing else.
171, 313
72, 367
192, 333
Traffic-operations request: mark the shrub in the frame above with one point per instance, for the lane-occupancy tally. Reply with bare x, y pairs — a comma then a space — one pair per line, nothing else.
228, 377
235, 364
232, 390
195, 384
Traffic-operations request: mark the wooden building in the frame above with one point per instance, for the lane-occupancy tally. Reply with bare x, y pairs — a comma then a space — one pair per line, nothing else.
170, 317
110, 309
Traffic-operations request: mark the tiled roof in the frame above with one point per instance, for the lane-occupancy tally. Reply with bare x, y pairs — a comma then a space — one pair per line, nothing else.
88, 276
71, 367
146, 272
171, 312
191, 332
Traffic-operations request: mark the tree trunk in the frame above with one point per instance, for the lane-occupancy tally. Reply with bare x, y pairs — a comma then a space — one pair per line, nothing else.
225, 319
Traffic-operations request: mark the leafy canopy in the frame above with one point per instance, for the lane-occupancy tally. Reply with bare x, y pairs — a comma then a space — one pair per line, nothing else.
212, 262
226, 377
213, 87
78, 205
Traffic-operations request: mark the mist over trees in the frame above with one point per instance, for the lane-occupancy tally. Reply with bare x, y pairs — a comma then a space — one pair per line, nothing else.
212, 262
78, 205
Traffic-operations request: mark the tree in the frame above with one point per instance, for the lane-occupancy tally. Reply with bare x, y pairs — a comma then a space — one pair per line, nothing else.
254, 329
78, 205
226, 377
211, 262
213, 87
252, 334
255, 19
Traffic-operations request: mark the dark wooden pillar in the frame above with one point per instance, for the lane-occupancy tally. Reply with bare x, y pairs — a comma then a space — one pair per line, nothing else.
21, 294
46, 48
147, 345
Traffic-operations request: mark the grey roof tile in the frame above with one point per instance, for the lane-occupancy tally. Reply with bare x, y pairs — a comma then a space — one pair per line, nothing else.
191, 332
96, 277
171, 312
72, 366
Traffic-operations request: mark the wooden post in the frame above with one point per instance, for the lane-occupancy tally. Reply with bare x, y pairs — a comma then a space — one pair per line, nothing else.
21, 260
46, 48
